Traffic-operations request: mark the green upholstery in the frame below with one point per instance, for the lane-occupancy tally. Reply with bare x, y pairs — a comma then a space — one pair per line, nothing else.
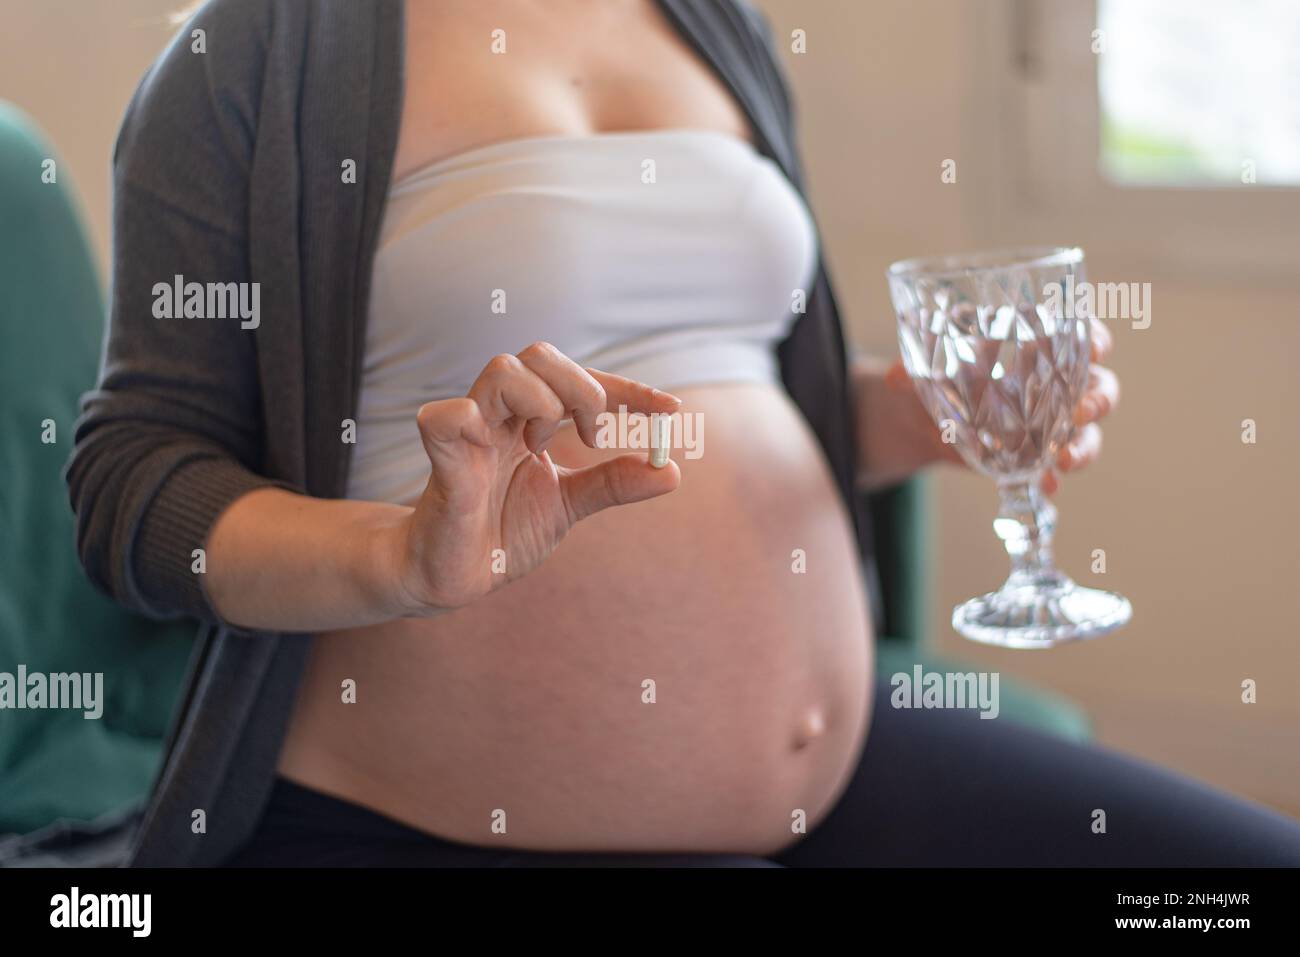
901, 541
57, 763
901, 535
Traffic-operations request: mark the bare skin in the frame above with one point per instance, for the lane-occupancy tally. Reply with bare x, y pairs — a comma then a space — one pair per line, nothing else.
570, 67
532, 698
525, 691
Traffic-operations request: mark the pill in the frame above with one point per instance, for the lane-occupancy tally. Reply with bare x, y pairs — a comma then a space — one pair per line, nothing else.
661, 439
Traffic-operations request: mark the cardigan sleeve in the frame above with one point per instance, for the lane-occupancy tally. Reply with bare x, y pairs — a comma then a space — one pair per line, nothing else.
171, 433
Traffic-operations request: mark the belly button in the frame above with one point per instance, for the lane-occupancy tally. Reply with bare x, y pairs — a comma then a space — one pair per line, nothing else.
812, 726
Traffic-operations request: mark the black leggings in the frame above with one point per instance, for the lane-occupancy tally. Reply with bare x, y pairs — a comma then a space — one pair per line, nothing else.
933, 788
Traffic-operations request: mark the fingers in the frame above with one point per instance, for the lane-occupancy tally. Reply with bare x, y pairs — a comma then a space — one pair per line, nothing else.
635, 396
507, 389
451, 421
1083, 448
581, 395
543, 387
620, 481
1100, 398
1098, 401
1103, 342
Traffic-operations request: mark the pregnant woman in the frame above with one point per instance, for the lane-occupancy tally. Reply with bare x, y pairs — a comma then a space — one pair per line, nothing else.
443, 624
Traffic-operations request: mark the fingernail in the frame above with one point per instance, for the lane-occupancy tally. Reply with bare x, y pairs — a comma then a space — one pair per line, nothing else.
660, 394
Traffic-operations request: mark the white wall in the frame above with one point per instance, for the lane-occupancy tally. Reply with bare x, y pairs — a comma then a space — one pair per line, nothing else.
72, 65
1200, 530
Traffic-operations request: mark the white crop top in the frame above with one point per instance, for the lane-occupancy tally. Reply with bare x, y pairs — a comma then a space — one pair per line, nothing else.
668, 256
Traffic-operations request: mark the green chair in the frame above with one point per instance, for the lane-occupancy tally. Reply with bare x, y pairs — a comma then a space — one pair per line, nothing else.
58, 766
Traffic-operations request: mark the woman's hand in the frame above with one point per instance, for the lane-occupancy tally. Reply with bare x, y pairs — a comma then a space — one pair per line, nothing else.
899, 437
896, 436
494, 487
1099, 398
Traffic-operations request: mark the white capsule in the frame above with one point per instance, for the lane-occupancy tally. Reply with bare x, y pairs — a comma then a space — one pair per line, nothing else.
661, 439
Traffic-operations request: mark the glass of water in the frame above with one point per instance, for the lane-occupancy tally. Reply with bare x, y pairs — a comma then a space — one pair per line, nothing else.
998, 349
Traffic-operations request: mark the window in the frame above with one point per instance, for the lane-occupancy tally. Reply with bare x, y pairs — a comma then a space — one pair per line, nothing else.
1164, 132
1199, 92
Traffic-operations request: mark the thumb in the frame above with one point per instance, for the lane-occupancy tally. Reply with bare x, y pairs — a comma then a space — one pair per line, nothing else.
620, 481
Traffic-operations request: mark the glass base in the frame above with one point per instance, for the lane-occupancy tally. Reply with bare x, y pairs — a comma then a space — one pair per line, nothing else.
1031, 616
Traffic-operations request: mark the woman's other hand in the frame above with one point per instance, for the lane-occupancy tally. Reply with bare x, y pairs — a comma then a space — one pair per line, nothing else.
1099, 398
906, 439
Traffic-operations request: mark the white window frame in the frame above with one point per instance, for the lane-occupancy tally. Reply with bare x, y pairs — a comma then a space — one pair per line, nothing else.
1035, 73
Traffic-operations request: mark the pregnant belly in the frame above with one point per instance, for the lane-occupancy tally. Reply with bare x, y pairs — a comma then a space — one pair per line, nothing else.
691, 673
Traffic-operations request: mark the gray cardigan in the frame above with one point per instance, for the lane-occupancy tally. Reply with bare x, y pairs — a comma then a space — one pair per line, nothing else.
228, 168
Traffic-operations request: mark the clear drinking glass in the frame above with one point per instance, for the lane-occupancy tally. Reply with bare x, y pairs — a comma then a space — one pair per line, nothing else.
999, 355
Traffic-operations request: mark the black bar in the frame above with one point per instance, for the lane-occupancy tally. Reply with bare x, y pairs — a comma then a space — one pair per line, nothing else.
435, 908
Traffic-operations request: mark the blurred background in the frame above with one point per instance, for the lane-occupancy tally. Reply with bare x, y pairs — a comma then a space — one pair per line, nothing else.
1200, 531
1164, 137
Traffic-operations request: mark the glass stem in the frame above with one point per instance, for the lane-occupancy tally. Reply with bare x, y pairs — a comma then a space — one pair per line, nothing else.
1025, 524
